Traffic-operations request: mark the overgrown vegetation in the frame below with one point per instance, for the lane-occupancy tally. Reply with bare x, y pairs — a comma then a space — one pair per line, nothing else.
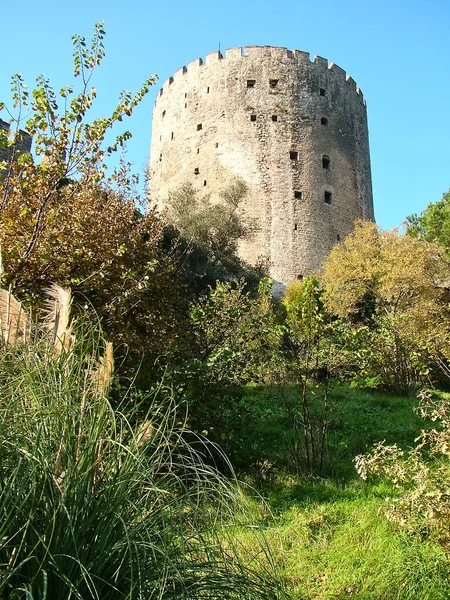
109, 489
104, 503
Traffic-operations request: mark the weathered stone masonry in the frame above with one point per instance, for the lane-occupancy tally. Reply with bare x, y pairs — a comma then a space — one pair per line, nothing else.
22, 143
294, 130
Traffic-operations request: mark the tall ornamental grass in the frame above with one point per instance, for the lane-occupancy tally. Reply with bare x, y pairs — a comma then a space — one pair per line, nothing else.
105, 503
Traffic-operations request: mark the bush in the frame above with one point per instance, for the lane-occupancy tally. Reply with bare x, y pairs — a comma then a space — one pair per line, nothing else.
103, 503
421, 475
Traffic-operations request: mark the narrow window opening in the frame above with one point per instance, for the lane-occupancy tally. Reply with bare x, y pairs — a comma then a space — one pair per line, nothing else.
326, 162
338, 238
185, 95
323, 91
198, 150
163, 114
293, 155
324, 121
273, 83
327, 197
274, 117
207, 90
171, 137
185, 105
298, 195
160, 157
295, 226
251, 83
204, 182
252, 117
197, 171
199, 126
217, 144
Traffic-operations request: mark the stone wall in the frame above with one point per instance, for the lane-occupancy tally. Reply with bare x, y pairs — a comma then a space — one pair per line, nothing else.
294, 130
22, 143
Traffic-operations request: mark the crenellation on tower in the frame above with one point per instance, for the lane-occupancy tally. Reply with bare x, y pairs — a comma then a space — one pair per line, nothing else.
269, 115
213, 57
351, 82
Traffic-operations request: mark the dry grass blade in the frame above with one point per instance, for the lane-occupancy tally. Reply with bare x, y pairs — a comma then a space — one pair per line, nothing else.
57, 319
14, 320
145, 432
102, 375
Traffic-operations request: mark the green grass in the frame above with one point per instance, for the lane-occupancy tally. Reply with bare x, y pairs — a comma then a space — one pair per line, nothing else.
328, 535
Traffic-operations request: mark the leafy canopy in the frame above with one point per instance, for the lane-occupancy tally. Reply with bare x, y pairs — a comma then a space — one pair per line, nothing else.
64, 220
433, 224
215, 228
395, 285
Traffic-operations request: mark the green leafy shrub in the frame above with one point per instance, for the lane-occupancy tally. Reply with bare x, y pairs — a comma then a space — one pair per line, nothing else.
421, 475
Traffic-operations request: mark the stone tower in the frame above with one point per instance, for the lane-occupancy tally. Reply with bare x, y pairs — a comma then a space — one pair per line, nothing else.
22, 143
294, 130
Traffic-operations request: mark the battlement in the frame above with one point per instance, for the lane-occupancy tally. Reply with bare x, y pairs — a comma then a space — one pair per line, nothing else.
292, 126
258, 53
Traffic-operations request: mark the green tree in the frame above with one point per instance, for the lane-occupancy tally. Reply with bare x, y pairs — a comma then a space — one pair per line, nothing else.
214, 228
309, 335
234, 338
393, 284
433, 224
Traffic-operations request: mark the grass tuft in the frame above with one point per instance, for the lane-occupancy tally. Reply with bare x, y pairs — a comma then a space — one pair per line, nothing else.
102, 503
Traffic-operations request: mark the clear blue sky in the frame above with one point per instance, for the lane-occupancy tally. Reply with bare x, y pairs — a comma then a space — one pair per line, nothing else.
398, 52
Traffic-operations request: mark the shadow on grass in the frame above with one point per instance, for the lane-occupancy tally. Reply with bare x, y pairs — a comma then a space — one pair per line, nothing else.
261, 441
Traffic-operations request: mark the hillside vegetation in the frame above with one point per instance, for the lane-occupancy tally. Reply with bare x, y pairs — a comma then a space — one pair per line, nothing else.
175, 431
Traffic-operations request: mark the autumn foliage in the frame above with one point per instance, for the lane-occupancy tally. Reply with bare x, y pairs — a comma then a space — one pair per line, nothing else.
62, 219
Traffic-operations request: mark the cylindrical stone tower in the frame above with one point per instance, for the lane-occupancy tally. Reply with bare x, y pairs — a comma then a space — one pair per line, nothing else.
294, 130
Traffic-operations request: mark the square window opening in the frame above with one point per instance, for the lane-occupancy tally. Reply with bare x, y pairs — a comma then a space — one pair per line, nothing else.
273, 83
252, 117
199, 127
197, 171
293, 155
251, 83
324, 121
323, 91
274, 118
298, 195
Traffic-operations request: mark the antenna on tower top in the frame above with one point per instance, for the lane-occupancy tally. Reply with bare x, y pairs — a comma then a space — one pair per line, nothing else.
220, 53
